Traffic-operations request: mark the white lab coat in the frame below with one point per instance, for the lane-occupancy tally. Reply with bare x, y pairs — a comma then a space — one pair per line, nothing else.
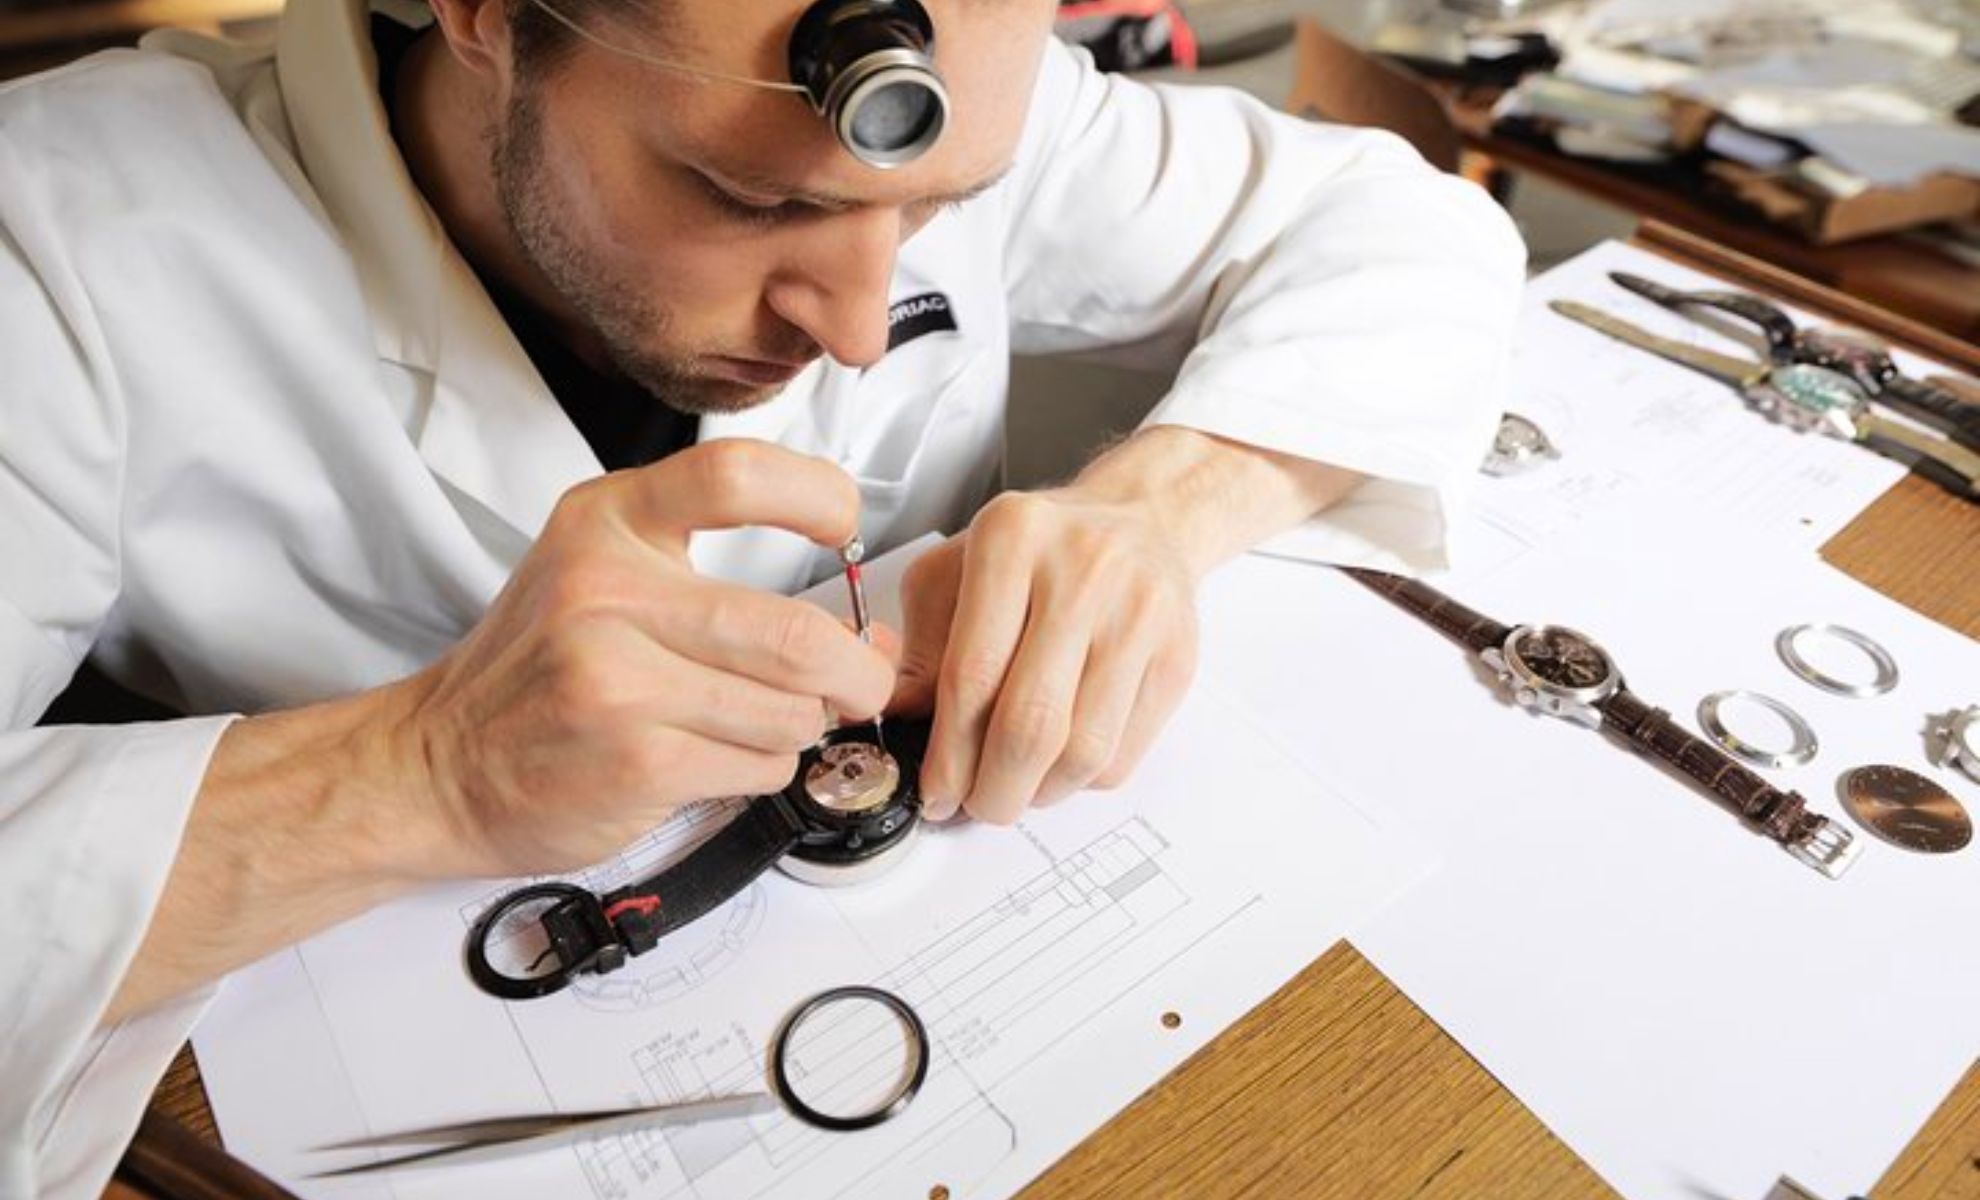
264, 440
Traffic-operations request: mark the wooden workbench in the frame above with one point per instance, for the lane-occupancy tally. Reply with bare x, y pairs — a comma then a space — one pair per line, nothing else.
1339, 1086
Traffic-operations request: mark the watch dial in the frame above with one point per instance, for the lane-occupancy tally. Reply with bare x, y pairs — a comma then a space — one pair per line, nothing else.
1817, 389
1563, 658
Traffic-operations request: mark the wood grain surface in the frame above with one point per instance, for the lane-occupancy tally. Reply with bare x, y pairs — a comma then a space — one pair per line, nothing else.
1339, 1086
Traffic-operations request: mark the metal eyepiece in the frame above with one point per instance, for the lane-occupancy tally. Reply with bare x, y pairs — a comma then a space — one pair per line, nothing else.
868, 67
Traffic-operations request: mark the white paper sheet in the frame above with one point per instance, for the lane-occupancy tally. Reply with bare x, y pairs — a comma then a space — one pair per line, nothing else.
1041, 958
1651, 449
1689, 1009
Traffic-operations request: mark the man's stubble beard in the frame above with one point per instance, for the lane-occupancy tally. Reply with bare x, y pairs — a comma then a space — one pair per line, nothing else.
624, 319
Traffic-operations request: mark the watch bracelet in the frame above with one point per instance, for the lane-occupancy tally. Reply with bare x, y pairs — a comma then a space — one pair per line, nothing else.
1959, 418
1955, 461
1469, 627
1782, 816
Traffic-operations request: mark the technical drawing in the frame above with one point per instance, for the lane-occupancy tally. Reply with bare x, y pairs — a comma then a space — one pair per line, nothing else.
1014, 961
676, 967
655, 1164
681, 962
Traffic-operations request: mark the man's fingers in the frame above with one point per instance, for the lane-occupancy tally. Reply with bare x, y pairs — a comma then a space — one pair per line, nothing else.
1033, 718
718, 768
1108, 697
928, 607
738, 710
992, 605
1162, 691
787, 644
727, 484
890, 644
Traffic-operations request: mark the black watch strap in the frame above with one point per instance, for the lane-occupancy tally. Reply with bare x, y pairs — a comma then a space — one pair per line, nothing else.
1471, 628
592, 934
1774, 324
1936, 406
644, 912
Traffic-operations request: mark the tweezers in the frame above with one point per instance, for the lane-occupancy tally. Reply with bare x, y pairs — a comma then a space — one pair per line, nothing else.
507, 1137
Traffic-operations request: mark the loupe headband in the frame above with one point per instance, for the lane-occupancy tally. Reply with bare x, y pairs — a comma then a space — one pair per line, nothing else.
866, 66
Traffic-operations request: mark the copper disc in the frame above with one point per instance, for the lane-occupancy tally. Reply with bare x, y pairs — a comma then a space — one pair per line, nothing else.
1907, 809
852, 777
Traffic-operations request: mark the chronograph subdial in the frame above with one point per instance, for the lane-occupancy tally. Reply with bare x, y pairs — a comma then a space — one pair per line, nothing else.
1556, 670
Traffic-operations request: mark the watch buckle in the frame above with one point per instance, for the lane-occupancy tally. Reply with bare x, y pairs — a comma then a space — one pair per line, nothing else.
1830, 849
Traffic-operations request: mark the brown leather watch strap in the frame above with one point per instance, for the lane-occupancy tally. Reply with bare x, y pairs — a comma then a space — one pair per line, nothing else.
1474, 629
1783, 816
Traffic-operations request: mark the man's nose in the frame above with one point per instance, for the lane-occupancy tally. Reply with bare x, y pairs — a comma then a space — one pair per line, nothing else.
835, 286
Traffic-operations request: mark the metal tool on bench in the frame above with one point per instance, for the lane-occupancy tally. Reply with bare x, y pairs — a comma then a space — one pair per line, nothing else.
1803, 397
508, 1137
1853, 353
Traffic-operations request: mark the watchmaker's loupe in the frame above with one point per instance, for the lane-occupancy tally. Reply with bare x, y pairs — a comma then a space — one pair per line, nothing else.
869, 68
866, 66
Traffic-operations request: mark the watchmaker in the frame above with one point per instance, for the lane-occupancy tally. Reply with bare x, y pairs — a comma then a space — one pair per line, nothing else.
440, 404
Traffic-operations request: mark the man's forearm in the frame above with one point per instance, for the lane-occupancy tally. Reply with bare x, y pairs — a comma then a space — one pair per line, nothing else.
301, 822
1216, 497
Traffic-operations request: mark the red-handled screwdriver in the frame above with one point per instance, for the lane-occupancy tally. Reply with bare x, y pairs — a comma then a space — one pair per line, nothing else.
851, 554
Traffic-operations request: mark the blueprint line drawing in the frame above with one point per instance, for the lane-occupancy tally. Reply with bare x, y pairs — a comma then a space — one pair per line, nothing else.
973, 985
1039, 959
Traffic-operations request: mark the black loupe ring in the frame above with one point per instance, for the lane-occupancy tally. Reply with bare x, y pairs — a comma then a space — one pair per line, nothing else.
894, 1105
869, 69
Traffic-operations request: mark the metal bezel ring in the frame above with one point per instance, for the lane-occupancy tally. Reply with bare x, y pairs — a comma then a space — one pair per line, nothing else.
895, 1104
511, 987
1887, 671
1801, 750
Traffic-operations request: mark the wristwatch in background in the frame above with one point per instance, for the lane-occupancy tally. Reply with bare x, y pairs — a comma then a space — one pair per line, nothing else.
1804, 397
1557, 671
1857, 355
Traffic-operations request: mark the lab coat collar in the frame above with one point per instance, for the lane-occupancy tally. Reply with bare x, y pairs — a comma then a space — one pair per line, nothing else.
492, 429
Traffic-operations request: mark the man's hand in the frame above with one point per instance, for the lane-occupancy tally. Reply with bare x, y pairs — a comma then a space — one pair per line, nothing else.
1055, 638
609, 684
1057, 635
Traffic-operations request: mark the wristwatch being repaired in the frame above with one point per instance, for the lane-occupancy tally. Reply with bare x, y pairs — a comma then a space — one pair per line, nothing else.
1555, 670
850, 812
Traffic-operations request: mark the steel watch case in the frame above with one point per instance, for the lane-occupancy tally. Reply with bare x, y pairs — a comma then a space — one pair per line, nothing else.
1555, 670
1957, 735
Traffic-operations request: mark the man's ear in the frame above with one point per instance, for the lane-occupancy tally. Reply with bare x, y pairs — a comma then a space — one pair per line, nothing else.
477, 33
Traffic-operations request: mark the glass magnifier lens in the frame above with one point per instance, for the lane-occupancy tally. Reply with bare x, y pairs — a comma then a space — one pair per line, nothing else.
894, 119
